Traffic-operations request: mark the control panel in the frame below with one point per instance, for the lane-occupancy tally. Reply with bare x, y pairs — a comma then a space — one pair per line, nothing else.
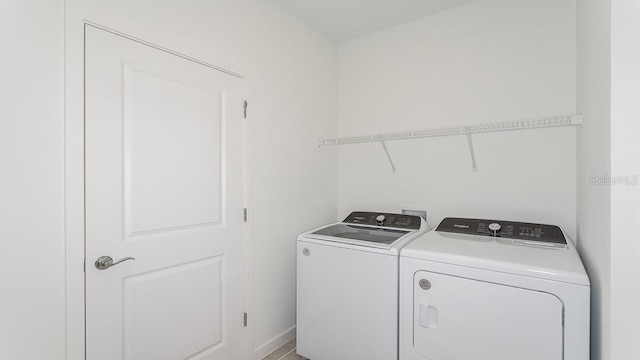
384, 220
507, 229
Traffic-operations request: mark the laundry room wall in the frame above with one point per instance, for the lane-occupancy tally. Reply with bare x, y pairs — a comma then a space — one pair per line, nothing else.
594, 159
293, 82
488, 60
625, 194
32, 299
608, 171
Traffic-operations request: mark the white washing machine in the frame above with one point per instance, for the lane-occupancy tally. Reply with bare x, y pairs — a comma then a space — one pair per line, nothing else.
493, 290
347, 286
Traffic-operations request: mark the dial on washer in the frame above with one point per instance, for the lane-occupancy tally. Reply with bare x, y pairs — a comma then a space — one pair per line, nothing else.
495, 227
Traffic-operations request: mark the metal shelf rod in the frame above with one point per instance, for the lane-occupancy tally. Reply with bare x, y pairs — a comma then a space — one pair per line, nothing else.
468, 130
556, 121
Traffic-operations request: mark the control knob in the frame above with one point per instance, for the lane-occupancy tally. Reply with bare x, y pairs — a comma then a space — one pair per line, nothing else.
495, 227
380, 219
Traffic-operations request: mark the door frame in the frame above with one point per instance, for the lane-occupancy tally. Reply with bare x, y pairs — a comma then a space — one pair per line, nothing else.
76, 18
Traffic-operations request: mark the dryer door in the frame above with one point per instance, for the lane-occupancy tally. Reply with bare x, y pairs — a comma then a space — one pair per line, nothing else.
457, 318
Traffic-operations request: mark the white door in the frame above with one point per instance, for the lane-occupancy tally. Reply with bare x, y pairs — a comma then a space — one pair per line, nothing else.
456, 318
164, 184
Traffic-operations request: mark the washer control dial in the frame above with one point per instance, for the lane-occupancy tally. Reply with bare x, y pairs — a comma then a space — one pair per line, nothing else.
495, 227
380, 219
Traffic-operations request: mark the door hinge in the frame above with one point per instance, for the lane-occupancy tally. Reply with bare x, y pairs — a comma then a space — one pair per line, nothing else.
246, 104
245, 320
244, 215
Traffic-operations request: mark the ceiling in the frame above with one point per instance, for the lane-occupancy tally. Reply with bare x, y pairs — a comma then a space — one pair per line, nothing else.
348, 19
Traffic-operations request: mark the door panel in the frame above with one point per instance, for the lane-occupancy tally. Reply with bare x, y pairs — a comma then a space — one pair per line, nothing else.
457, 318
197, 287
164, 184
179, 158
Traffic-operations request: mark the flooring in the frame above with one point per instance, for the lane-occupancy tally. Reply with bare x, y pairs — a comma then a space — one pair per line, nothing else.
285, 352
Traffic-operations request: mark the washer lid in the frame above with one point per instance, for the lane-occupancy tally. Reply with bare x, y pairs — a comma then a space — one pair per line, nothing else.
356, 232
486, 252
384, 231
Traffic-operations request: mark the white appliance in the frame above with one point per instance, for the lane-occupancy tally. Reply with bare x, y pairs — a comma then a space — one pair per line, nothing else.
493, 290
347, 286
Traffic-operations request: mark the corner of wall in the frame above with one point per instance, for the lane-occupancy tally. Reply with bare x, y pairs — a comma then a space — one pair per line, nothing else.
594, 163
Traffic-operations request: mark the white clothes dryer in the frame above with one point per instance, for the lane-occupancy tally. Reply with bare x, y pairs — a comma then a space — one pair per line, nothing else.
347, 286
493, 290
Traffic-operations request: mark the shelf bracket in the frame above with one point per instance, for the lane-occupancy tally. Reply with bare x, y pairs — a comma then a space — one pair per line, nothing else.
386, 151
474, 166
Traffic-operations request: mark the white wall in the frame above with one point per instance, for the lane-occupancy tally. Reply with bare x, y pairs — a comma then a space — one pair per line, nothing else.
489, 60
608, 214
293, 84
594, 159
625, 161
32, 180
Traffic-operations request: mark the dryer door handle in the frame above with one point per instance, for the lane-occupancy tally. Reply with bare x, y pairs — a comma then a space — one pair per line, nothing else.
429, 316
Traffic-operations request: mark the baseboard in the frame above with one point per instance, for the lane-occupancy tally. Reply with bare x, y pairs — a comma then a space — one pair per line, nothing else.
271, 345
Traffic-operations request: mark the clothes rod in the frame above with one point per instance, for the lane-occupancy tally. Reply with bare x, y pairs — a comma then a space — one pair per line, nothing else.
556, 121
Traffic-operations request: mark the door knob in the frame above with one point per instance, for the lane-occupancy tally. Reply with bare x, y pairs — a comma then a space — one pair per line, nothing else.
105, 262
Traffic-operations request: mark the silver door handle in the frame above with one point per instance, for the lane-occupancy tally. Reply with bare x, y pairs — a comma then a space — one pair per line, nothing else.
105, 262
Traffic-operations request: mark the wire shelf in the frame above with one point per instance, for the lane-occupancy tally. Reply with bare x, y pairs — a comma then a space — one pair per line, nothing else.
556, 121
468, 130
